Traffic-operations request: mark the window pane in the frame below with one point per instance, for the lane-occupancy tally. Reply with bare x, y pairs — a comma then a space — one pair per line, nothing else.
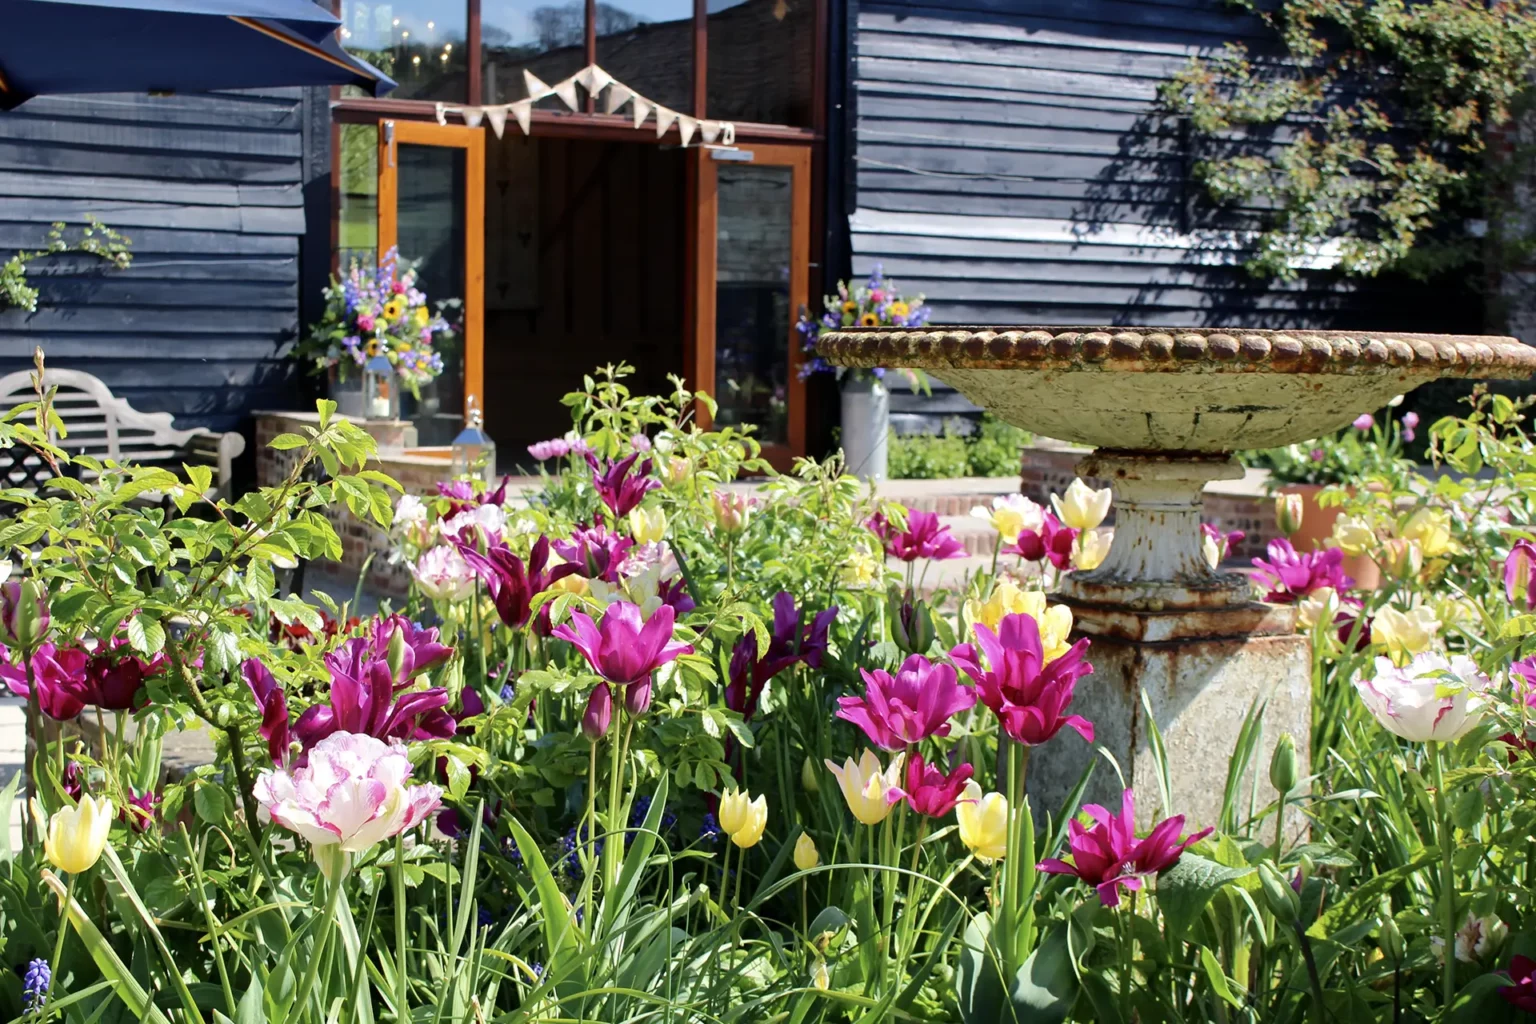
752, 298
760, 61
648, 45
358, 217
431, 218
549, 39
418, 43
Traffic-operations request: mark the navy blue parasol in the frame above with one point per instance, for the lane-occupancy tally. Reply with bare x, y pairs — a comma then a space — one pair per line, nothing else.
73, 46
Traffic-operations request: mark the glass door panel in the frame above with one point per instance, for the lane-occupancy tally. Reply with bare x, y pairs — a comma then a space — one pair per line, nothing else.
432, 208
753, 246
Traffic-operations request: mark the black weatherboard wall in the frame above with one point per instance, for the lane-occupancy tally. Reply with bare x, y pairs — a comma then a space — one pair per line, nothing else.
1010, 163
213, 191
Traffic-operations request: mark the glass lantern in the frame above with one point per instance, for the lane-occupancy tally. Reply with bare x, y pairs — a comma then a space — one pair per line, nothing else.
474, 447
381, 391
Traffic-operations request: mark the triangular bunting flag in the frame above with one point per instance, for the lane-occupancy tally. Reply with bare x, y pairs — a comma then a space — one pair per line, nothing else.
497, 116
442, 113
537, 90
665, 117
686, 126
594, 79
472, 116
566, 90
727, 134
522, 110
709, 131
618, 95
643, 109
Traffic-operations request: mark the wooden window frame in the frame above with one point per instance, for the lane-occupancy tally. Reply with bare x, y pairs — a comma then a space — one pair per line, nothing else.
699, 341
472, 141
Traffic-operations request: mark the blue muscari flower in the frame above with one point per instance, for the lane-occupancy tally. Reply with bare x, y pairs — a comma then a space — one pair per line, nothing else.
538, 971
484, 917
507, 692
710, 831
877, 276
571, 862
34, 987
641, 809
580, 914
509, 847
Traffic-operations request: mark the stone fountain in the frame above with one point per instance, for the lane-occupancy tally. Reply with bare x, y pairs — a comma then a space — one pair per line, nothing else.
1164, 410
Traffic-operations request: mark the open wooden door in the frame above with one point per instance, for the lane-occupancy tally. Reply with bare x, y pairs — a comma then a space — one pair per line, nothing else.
751, 267
432, 208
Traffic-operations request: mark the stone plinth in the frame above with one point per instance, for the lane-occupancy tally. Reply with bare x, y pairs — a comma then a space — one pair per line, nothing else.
1201, 670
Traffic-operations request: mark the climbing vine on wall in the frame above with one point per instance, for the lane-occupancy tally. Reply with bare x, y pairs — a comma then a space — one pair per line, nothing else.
1366, 135
95, 239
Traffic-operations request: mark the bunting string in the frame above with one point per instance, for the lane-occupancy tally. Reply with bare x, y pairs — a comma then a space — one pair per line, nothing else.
596, 82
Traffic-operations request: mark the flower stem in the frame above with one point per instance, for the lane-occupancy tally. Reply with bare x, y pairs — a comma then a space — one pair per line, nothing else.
402, 977
58, 943
322, 939
1447, 874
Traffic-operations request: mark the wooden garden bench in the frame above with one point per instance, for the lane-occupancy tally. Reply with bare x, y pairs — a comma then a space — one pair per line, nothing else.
105, 426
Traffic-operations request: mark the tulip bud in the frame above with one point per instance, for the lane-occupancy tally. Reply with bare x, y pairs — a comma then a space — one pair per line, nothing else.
395, 653
1391, 934
77, 835
599, 713
819, 977
1282, 765
24, 614
1283, 901
911, 623
637, 697
1402, 558
1289, 509
1519, 575
809, 780
806, 854
732, 510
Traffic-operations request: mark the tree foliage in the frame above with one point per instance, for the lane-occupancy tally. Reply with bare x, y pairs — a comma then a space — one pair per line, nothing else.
1367, 137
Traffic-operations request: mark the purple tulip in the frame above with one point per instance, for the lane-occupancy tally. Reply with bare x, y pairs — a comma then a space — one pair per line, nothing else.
1522, 681
24, 617
115, 680
1291, 575
626, 648
928, 790
617, 489
596, 551
273, 703
363, 696
914, 705
599, 714
422, 649
789, 643
924, 537
512, 584
1028, 696
140, 812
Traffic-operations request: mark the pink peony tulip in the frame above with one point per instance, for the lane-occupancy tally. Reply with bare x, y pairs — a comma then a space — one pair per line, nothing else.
1109, 857
1027, 695
626, 648
354, 792
924, 537
928, 790
1291, 575
914, 705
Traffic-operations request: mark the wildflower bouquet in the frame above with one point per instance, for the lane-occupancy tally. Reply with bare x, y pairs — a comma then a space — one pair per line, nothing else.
877, 303
378, 310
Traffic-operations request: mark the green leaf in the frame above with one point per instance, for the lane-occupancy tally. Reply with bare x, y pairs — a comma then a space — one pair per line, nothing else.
211, 803
978, 977
458, 777
1217, 977
145, 634
1184, 890
1045, 987
285, 442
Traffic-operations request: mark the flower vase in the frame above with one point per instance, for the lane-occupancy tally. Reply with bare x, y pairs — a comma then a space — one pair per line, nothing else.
866, 426
347, 393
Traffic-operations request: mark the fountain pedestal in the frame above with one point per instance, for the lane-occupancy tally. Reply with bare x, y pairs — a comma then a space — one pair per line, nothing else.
1165, 408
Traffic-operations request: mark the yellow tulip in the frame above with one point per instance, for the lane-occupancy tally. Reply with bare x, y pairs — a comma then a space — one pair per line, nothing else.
1011, 515
77, 835
1083, 508
1353, 534
983, 822
1401, 557
676, 470
1008, 598
647, 525
819, 977
863, 569
748, 819
1092, 546
806, 854
865, 786
1289, 509
1404, 633
571, 584
1321, 605
1430, 528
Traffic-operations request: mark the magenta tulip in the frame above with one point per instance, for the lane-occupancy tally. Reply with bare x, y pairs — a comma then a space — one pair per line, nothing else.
1520, 575
1291, 575
1108, 856
928, 790
1522, 681
626, 648
1053, 542
1521, 990
597, 552
914, 705
114, 680
1028, 696
363, 698
924, 537
599, 713
512, 584
59, 675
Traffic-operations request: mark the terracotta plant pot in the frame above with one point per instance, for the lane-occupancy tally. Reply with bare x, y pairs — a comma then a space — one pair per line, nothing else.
1317, 526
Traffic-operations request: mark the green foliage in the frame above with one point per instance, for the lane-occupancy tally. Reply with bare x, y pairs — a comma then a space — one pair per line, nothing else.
1342, 457
994, 449
1367, 136
96, 239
